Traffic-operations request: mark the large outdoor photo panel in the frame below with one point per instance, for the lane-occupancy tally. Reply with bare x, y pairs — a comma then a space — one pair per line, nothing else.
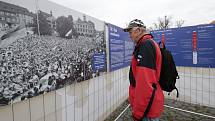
45, 46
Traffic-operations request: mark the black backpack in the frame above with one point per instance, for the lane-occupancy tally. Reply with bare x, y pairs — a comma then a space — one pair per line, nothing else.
169, 72
168, 76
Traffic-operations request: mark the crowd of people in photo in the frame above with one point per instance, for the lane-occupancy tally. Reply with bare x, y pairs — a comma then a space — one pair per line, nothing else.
34, 64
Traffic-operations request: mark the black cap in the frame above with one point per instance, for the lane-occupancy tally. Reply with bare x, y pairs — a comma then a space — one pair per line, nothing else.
134, 23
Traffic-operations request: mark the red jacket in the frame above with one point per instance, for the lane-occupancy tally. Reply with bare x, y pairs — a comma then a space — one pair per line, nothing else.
144, 71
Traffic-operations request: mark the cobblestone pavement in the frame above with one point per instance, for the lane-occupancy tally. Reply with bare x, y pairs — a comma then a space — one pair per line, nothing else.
170, 114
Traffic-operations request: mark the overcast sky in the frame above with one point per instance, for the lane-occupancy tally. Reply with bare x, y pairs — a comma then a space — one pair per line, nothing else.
120, 12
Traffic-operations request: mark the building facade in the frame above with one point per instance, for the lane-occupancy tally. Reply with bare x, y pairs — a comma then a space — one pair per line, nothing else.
50, 19
85, 28
11, 15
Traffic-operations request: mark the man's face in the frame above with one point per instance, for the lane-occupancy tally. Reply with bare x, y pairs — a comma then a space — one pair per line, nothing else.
133, 34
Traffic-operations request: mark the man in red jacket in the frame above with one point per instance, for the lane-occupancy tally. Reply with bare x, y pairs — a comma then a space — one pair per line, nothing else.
145, 94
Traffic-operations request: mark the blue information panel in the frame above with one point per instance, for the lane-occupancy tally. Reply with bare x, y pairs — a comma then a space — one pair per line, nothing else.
120, 48
206, 45
99, 62
190, 46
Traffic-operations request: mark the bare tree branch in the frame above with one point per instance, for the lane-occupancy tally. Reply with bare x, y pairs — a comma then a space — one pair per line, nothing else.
166, 23
179, 23
163, 23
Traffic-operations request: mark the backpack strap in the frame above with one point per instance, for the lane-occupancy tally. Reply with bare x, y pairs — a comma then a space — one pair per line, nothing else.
177, 92
164, 47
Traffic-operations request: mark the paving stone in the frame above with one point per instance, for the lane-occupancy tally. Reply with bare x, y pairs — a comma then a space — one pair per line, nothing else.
170, 114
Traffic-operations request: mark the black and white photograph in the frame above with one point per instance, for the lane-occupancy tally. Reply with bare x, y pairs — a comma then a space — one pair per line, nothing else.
44, 46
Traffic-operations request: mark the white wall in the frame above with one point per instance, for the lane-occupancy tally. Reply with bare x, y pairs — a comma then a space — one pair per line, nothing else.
196, 85
91, 100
